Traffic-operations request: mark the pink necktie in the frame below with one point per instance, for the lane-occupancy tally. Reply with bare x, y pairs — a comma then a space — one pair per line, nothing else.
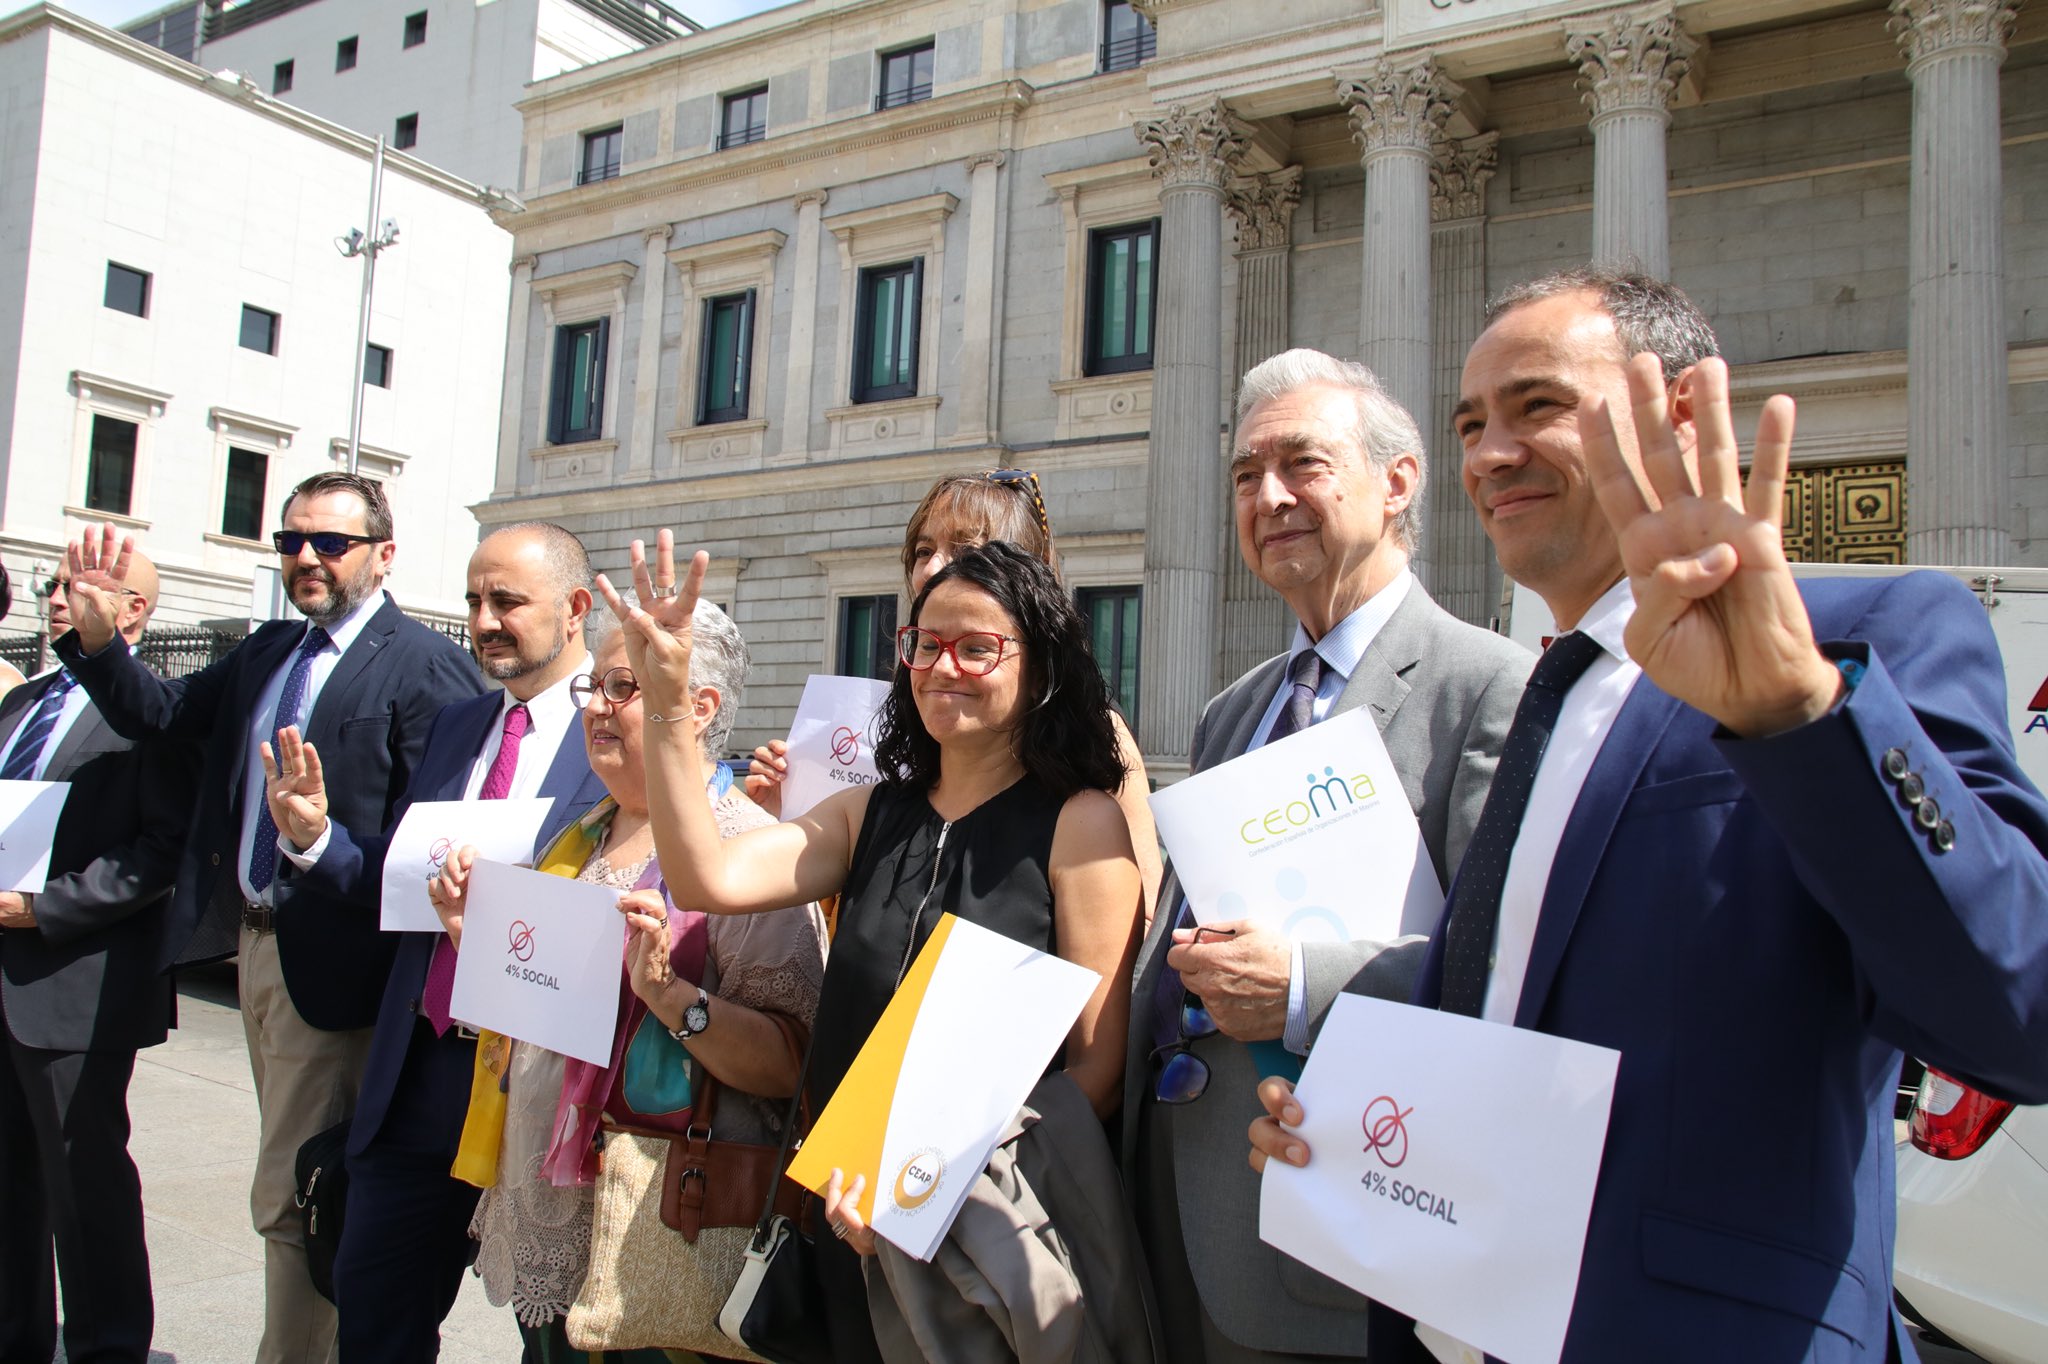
497, 785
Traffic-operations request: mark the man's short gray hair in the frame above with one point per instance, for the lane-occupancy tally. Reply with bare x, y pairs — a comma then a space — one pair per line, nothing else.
718, 659
1650, 315
1385, 430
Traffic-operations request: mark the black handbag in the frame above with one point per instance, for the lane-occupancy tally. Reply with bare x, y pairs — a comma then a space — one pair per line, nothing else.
321, 1170
777, 1307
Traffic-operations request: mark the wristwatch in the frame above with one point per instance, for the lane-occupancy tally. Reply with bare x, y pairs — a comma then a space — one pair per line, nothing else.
696, 1018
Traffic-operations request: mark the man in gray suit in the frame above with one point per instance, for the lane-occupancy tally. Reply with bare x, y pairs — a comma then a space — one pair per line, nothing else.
1328, 478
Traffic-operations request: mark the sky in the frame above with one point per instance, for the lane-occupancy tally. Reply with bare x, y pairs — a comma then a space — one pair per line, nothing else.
114, 13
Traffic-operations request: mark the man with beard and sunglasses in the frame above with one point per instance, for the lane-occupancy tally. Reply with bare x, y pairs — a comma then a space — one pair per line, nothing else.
406, 1240
364, 682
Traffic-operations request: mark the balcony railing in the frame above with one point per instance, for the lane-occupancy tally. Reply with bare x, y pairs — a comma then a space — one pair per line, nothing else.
908, 94
1122, 54
740, 137
591, 174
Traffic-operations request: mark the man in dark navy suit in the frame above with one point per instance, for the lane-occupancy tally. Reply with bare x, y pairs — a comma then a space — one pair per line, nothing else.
81, 993
406, 1240
1737, 816
364, 681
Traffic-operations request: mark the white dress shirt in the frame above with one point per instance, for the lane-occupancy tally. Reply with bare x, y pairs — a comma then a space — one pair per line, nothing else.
1583, 724
75, 702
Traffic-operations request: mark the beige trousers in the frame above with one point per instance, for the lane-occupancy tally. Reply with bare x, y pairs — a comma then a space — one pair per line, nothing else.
306, 1081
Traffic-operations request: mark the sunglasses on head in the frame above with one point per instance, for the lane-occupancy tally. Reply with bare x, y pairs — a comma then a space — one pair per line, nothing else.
328, 544
1026, 482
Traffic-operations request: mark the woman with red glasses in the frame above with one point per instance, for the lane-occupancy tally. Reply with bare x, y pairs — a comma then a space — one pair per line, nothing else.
998, 759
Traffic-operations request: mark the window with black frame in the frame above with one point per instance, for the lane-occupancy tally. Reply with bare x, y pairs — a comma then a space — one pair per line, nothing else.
746, 118
110, 465
576, 405
1123, 278
906, 76
1113, 616
281, 77
241, 514
259, 329
127, 290
601, 151
377, 365
886, 331
1128, 39
724, 372
867, 636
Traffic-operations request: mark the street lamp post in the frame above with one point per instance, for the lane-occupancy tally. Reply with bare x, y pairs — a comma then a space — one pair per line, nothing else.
358, 243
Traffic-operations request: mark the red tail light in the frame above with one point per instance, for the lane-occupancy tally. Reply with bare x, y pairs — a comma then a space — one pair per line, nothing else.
1951, 1120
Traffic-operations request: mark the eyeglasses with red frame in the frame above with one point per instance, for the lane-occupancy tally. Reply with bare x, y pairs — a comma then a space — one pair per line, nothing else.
976, 653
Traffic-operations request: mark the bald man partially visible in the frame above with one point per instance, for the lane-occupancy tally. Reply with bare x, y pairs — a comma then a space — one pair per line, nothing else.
81, 994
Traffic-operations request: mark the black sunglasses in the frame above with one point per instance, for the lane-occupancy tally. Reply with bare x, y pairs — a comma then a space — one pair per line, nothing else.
50, 586
328, 544
1026, 482
1184, 1076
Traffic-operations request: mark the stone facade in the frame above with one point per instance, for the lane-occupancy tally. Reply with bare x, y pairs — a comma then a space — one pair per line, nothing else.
1349, 176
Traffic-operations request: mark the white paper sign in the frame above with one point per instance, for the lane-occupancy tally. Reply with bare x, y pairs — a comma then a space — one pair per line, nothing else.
541, 960
500, 830
832, 739
1312, 834
28, 825
1451, 1170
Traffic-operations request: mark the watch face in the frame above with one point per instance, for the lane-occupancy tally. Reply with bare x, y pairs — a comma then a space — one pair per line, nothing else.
696, 1019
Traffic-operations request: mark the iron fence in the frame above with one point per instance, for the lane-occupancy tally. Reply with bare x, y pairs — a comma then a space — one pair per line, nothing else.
175, 651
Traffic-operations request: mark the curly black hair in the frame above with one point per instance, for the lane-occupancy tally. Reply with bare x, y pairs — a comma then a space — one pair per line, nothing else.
1065, 739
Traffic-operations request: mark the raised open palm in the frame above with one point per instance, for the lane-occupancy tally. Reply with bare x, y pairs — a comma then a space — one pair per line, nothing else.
657, 631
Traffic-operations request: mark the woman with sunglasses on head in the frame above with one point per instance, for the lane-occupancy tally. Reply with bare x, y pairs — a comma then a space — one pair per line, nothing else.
962, 512
998, 760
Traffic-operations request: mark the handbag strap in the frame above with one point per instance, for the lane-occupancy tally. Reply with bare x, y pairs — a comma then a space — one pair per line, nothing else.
789, 1131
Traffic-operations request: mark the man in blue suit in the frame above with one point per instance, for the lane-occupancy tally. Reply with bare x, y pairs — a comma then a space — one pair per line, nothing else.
363, 680
1739, 822
406, 1240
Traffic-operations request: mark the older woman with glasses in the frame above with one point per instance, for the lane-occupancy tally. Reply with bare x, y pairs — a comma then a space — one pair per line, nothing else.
708, 984
998, 759
962, 512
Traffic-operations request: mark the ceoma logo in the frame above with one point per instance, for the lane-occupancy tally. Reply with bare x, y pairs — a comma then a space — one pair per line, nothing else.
919, 1179
521, 934
1325, 797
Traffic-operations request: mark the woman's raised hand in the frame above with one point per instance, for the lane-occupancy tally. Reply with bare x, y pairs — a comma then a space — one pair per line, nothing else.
657, 631
295, 788
450, 890
647, 958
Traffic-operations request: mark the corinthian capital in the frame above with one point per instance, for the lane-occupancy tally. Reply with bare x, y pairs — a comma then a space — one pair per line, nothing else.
1263, 208
1398, 107
1929, 28
1635, 64
1458, 172
1196, 144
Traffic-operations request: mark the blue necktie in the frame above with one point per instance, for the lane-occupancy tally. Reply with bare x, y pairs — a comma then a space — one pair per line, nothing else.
1475, 896
263, 857
28, 748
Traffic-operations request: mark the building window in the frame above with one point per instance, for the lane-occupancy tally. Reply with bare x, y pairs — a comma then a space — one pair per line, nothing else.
127, 290
867, 636
241, 511
259, 329
1123, 275
407, 133
415, 29
345, 55
601, 154
1112, 615
746, 118
906, 76
886, 327
728, 359
576, 411
1128, 39
281, 78
377, 365
110, 470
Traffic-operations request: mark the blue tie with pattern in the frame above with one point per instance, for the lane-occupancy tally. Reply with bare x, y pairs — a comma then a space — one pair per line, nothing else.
1475, 898
28, 747
263, 856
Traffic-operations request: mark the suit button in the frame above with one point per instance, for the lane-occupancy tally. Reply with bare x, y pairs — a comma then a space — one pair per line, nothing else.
1895, 763
1928, 814
214, 858
1944, 836
1911, 789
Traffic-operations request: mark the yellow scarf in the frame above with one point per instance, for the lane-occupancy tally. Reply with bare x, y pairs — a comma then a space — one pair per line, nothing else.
483, 1130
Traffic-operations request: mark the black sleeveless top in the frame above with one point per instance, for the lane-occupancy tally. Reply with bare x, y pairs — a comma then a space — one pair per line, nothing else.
990, 871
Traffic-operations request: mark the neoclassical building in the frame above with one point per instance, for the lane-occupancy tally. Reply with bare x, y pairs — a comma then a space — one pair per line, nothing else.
773, 279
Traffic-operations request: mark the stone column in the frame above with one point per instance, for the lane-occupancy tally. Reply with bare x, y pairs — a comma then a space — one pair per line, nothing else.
1194, 150
512, 410
803, 330
1256, 622
1465, 582
978, 354
1628, 74
1956, 380
1398, 111
654, 273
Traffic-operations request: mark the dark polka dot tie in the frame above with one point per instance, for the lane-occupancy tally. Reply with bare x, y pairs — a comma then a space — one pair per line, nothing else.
1475, 899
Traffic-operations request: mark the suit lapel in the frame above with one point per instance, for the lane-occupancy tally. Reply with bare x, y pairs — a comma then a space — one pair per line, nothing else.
573, 785
1379, 680
335, 701
18, 705
1644, 717
266, 652
1244, 725
88, 726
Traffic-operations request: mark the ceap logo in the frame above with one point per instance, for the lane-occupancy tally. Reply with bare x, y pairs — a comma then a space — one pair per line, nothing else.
919, 1179
1386, 1130
1325, 797
845, 746
521, 935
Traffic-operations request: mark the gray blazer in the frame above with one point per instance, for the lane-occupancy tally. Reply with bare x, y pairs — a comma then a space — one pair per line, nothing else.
1443, 693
